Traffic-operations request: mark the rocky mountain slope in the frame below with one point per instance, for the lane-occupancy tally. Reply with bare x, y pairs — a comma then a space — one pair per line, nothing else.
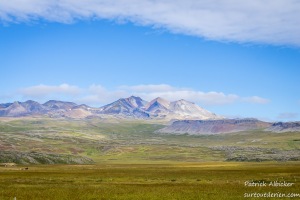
51, 108
127, 107
52, 104
180, 109
158, 106
204, 127
18, 109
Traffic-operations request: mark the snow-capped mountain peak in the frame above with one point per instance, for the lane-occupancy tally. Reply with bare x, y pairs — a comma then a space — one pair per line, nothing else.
186, 109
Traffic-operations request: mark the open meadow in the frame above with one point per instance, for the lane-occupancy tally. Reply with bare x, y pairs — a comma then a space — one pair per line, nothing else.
217, 180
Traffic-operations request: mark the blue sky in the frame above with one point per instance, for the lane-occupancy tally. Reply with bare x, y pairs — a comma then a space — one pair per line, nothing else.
236, 67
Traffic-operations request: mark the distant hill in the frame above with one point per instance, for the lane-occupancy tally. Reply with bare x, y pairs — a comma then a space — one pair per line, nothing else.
207, 127
284, 127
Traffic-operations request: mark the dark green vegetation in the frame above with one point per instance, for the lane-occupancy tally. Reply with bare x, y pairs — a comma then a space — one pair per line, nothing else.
32, 157
213, 181
115, 141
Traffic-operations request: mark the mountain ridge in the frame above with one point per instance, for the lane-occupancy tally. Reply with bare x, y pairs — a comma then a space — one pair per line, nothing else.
209, 127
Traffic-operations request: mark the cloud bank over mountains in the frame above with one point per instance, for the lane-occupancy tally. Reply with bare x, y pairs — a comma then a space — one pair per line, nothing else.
269, 21
99, 95
44, 90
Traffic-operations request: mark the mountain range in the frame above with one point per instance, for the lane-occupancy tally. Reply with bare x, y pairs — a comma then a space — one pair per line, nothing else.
131, 107
185, 117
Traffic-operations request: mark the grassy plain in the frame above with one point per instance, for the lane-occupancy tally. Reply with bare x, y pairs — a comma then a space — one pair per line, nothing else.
216, 181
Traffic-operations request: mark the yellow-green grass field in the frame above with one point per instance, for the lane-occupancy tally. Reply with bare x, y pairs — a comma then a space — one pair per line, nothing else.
209, 180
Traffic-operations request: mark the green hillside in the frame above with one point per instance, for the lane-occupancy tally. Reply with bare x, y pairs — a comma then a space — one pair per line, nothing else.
120, 141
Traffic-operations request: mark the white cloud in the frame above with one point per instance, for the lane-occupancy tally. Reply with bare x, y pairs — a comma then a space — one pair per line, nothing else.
209, 98
148, 88
97, 95
48, 90
171, 93
256, 99
149, 92
268, 21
